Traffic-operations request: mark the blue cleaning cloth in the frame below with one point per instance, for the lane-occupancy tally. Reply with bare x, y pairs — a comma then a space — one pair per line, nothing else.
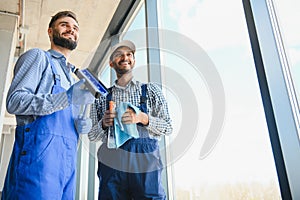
124, 132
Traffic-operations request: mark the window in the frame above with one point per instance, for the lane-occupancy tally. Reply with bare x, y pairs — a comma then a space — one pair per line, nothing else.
241, 164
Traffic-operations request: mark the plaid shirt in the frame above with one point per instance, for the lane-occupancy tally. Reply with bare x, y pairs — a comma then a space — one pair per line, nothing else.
159, 118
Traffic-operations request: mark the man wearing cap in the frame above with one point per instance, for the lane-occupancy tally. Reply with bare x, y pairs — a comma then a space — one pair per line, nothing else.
132, 168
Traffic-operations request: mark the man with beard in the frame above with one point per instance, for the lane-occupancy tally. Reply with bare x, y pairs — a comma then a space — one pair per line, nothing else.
130, 168
45, 99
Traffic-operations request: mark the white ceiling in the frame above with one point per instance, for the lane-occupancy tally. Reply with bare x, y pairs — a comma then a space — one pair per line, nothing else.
93, 15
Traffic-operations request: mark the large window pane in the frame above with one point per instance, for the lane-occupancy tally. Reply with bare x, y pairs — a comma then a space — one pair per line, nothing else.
241, 164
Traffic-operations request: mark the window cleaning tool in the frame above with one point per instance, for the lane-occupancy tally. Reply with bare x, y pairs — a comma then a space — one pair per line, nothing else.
93, 84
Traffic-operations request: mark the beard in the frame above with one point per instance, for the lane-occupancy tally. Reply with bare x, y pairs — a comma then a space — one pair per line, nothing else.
63, 42
122, 71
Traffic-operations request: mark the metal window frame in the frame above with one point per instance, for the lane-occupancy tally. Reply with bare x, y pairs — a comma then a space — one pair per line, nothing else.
277, 91
121, 17
155, 70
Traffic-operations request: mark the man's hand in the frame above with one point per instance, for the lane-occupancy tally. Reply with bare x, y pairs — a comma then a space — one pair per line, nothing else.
130, 117
108, 119
79, 96
83, 125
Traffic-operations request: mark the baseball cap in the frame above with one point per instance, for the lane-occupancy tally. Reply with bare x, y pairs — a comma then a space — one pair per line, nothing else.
123, 43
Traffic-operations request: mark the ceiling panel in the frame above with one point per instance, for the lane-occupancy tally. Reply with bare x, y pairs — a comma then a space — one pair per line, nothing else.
10, 6
93, 16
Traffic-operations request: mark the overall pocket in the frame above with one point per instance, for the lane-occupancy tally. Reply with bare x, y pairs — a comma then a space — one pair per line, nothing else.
36, 145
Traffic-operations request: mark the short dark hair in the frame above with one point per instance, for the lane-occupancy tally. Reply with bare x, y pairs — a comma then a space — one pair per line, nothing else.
60, 15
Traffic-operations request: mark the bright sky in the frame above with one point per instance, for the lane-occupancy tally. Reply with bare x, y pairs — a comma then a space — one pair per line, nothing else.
204, 22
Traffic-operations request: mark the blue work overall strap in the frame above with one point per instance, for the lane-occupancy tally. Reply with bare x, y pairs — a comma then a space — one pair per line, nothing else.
143, 99
55, 74
67, 119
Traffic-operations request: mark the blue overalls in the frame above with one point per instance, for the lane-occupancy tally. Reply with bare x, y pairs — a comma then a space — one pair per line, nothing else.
133, 171
43, 161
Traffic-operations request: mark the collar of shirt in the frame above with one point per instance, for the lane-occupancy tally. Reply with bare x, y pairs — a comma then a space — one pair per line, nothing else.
130, 83
56, 54
61, 57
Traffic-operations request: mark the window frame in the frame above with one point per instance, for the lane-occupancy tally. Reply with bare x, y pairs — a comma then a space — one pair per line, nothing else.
277, 91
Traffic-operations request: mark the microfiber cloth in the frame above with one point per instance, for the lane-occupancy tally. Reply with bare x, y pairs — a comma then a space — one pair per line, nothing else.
124, 132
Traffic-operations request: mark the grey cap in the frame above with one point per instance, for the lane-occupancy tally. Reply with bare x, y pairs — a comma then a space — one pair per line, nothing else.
123, 43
